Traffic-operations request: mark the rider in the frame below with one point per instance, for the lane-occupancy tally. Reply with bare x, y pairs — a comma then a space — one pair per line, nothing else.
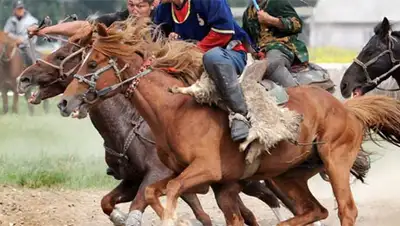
138, 8
274, 30
16, 27
211, 23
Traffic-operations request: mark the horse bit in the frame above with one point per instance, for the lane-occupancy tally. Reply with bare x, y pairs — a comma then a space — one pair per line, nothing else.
395, 64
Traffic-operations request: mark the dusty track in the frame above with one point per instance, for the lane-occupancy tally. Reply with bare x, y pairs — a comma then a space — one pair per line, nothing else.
378, 202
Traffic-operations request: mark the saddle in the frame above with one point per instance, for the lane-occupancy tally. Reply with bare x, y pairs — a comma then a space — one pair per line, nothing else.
311, 74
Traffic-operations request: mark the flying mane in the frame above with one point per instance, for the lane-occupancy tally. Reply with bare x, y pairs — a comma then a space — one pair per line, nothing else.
125, 39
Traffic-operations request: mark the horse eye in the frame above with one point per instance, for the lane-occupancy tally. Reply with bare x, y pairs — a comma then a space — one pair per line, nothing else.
60, 57
92, 64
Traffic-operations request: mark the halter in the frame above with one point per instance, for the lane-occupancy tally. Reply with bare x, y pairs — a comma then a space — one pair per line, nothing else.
60, 68
395, 64
112, 64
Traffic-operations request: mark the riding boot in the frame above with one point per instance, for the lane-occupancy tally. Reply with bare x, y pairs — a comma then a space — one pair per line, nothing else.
225, 78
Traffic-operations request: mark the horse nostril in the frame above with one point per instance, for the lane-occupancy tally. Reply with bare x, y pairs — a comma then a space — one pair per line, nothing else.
25, 80
62, 105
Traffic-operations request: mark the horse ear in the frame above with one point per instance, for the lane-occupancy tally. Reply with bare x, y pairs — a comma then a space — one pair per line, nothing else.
383, 28
102, 30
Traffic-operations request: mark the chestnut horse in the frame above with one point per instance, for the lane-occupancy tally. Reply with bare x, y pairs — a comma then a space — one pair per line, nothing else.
193, 140
52, 75
11, 66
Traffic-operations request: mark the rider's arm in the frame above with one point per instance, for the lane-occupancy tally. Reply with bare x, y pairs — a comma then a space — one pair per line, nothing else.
66, 29
288, 19
220, 19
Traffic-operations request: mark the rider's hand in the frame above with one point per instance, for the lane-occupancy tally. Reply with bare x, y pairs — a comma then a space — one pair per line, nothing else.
173, 36
33, 30
258, 55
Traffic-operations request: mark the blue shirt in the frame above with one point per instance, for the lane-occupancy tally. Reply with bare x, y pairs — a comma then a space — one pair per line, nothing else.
202, 17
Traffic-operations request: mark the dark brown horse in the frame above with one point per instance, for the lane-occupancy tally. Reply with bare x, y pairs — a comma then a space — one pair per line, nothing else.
193, 140
123, 131
11, 66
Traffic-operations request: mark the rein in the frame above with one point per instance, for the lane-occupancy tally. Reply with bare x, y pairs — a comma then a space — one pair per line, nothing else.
112, 64
395, 65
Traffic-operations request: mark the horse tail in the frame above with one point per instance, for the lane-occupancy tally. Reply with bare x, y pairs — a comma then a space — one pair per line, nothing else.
380, 114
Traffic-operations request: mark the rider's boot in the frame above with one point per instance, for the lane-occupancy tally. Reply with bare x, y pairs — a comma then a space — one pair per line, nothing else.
226, 80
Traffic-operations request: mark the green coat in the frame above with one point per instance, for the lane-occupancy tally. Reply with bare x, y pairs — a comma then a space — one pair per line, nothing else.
273, 38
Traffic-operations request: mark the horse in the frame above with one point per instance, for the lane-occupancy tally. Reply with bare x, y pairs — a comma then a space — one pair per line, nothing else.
11, 65
127, 139
378, 61
193, 139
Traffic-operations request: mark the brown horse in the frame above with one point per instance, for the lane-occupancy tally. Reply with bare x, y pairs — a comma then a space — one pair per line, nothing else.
52, 75
193, 140
11, 66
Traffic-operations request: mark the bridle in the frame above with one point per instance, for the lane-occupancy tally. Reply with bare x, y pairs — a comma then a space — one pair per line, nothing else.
374, 83
63, 75
112, 65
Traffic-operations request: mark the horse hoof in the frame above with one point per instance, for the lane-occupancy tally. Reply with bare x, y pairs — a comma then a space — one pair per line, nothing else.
134, 218
118, 217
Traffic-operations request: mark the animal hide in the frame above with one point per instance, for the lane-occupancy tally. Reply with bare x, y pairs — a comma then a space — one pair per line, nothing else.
270, 123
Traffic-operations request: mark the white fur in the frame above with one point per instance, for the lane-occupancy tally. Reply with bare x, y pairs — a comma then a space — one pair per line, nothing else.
270, 123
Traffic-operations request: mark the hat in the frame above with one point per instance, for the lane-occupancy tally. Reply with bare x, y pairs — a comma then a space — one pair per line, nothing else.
18, 4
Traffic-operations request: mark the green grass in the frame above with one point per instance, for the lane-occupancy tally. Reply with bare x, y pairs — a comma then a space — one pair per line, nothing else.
332, 55
51, 151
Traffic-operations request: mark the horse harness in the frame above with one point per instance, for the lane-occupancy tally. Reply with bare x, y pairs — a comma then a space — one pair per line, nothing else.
395, 65
123, 159
112, 64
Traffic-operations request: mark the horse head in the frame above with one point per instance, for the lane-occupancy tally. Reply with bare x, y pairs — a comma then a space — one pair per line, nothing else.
379, 57
53, 74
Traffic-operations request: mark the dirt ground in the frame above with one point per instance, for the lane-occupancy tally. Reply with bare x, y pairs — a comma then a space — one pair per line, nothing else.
378, 202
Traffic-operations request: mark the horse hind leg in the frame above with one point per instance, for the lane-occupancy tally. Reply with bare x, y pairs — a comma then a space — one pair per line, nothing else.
46, 106
5, 100
268, 196
15, 102
228, 200
30, 106
193, 201
308, 209
338, 162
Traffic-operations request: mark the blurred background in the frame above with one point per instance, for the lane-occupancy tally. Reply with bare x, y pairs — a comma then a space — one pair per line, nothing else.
46, 150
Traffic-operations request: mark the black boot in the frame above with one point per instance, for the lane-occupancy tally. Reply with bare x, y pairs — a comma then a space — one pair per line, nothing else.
226, 80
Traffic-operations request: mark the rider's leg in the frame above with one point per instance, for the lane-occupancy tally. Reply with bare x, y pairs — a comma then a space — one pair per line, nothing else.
224, 66
278, 68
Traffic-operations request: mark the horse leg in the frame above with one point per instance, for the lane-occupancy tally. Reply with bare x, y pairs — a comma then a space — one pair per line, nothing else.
196, 174
124, 192
248, 216
227, 197
46, 106
338, 162
30, 107
308, 209
5, 100
15, 102
148, 193
193, 201
263, 192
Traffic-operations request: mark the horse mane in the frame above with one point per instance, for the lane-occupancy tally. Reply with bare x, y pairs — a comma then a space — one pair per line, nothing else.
125, 39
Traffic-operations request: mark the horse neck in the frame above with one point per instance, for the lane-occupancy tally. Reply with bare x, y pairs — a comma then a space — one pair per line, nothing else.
113, 120
154, 103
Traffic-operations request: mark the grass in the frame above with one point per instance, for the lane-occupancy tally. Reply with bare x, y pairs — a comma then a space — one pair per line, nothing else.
51, 151
331, 55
